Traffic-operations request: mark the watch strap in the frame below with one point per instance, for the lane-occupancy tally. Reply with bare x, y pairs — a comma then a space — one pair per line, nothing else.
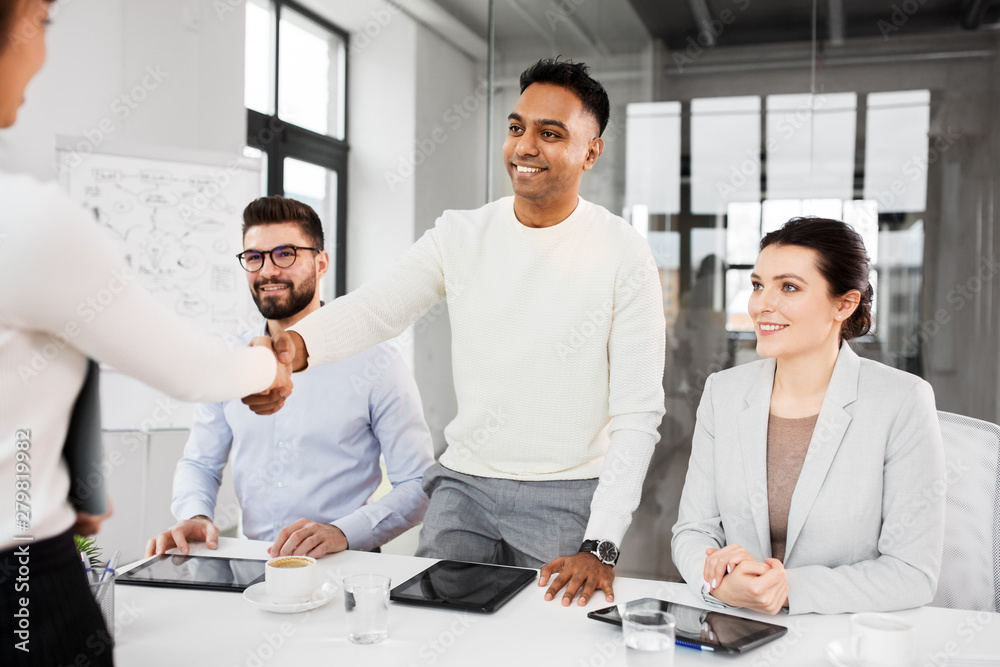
592, 547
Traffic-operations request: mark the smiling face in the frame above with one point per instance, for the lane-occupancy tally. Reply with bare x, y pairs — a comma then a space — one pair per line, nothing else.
791, 306
285, 295
551, 141
22, 53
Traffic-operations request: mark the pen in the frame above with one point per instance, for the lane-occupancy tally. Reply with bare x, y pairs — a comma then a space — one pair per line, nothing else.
697, 647
112, 564
87, 570
109, 568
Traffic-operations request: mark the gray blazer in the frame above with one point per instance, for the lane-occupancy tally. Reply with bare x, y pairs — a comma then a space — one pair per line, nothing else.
866, 521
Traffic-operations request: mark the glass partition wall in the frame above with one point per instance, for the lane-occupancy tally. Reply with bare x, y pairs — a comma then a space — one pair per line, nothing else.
727, 120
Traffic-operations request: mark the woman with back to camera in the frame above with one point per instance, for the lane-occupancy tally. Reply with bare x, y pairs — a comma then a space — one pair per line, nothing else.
53, 262
805, 488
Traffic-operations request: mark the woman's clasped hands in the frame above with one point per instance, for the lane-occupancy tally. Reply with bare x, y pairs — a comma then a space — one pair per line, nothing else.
733, 576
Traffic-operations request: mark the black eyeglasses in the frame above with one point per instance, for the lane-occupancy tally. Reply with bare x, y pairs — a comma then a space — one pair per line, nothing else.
282, 257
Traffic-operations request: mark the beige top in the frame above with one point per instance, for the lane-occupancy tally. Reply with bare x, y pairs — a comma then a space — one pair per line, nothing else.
787, 444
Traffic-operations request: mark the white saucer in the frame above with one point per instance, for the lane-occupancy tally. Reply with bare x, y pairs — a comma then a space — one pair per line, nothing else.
257, 596
837, 652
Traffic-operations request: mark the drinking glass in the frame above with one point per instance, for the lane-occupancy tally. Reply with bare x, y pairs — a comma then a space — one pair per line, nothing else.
366, 603
649, 634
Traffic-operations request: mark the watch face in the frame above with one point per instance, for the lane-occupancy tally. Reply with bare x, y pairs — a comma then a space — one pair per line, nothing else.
607, 552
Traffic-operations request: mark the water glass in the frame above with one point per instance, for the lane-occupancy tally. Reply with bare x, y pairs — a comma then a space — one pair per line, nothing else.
649, 634
366, 603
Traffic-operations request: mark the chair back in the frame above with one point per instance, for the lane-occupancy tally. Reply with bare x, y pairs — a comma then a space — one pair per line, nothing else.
970, 569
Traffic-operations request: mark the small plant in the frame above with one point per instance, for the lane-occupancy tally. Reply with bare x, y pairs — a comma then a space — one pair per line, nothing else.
88, 547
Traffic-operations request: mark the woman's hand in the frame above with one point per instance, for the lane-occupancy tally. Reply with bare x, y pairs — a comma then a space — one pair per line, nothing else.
752, 585
273, 398
721, 562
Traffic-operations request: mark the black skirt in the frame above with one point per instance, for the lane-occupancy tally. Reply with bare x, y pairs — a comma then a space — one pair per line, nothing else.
60, 624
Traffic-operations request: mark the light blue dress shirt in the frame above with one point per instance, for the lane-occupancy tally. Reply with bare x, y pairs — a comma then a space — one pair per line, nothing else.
317, 457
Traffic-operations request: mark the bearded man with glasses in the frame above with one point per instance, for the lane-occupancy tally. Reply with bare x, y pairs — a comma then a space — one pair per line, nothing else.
304, 476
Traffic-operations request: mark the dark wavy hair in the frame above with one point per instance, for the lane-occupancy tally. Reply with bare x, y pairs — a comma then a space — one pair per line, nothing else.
574, 77
277, 209
842, 261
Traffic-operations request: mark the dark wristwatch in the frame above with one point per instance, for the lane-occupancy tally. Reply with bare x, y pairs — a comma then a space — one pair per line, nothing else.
605, 550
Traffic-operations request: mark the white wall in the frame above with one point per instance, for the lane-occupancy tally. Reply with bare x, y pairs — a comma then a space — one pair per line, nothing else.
74, 90
451, 143
135, 71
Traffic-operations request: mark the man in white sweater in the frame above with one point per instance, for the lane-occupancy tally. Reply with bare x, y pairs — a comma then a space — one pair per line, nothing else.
557, 346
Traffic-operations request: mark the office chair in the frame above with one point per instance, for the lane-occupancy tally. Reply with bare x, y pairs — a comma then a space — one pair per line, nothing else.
970, 569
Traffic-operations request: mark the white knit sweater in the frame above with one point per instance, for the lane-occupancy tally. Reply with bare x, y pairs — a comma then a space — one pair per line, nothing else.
557, 346
67, 297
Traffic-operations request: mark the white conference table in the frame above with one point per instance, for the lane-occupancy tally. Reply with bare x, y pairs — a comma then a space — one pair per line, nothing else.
171, 627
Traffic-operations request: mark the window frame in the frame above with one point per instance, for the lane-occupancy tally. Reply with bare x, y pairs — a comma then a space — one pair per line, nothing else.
279, 139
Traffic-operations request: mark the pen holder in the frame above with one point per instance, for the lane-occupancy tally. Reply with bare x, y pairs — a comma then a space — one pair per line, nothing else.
105, 599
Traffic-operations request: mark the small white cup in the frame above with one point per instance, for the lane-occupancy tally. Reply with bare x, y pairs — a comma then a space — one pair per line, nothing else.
290, 584
881, 640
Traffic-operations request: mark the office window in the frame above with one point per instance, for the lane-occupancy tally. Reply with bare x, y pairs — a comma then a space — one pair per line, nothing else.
311, 75
896, 159
725, 152
810, 146
653, 156
296, 99
259, 59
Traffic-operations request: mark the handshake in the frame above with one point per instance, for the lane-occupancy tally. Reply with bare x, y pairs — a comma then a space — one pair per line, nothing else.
290, 353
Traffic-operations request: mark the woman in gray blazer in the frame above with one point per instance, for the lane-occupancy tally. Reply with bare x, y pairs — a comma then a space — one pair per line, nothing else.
816, 479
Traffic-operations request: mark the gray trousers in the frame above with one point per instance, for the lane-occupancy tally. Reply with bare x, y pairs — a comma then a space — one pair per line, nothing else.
503, 521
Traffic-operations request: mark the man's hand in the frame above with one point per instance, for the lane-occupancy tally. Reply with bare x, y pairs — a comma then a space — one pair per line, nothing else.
291, 349
721, 562
754, 585
582, 572
308, 538
89, 524
273, 399
195, 529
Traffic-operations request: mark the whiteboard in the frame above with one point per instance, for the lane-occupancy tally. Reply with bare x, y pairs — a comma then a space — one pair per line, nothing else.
176, 218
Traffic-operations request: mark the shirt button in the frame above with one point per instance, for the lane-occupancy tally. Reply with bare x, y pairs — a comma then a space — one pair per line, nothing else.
281, 444
280, 485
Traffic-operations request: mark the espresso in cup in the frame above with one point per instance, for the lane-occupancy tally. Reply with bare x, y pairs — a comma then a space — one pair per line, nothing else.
290, 561
290, 578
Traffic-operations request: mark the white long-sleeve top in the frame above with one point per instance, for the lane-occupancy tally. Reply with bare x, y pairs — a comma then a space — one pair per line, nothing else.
66, 297
557, 346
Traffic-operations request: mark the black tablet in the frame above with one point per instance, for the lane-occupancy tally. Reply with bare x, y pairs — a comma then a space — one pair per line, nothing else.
453, 584
706, 630
203, 572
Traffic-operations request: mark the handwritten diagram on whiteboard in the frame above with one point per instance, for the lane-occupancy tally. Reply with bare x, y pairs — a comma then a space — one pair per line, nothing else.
176, 217
178, 226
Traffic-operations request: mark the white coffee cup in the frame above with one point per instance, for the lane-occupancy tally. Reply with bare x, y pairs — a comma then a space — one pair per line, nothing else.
882, 640
290, 578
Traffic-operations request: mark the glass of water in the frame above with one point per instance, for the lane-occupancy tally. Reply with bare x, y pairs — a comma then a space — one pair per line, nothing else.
366, 603
649, 634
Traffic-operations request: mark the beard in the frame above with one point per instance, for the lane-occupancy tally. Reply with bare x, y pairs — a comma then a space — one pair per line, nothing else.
289, 303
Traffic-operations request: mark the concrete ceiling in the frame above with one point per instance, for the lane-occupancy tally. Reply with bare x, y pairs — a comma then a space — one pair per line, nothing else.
610, 27
743, 22
607, 27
